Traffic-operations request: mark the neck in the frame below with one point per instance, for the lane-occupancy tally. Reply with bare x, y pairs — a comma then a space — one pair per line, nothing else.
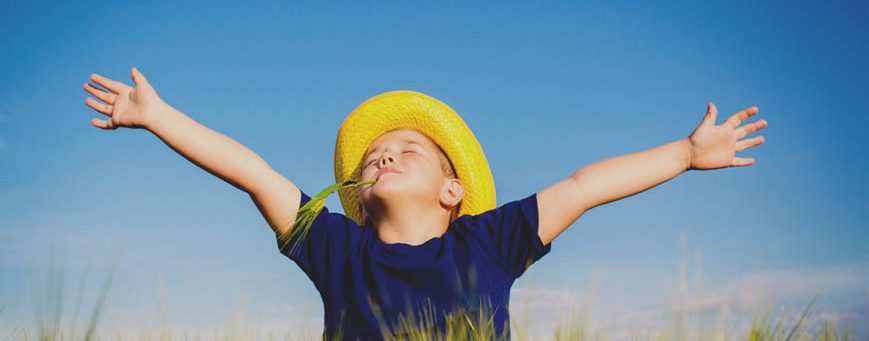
412, 225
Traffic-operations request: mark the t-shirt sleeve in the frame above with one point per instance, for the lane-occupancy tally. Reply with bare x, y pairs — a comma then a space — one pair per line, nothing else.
509, 234
331, 238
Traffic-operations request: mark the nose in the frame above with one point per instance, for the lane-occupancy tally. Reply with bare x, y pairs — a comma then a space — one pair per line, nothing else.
385, 159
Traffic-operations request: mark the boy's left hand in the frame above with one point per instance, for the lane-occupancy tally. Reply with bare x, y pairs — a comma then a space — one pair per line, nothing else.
714, 146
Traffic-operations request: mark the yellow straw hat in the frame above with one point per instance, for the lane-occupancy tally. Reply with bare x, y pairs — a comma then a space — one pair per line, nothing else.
383, 113
410, 109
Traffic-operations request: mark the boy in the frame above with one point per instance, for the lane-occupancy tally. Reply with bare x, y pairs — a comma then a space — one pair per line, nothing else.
424, 240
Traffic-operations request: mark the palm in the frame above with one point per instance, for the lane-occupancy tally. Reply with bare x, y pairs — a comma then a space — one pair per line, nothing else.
127, 106
715, 146
130, 107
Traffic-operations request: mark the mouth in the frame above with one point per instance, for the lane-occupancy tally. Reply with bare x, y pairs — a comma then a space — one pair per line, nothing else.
386, 171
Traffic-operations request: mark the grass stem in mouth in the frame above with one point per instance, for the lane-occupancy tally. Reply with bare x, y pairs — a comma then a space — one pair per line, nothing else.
309, 211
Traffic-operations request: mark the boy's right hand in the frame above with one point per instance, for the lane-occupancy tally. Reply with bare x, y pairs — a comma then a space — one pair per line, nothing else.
127, 106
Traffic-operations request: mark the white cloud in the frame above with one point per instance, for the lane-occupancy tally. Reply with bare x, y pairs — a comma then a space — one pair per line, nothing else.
752, 289
729, 307
536, 312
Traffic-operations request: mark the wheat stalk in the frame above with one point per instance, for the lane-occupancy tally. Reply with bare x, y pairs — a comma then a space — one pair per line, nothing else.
309, 211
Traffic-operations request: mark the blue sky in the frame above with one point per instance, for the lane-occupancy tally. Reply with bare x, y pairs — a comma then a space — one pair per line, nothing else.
547, 89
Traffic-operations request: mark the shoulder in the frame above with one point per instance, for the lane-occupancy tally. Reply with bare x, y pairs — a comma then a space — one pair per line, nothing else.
524, 208
507, 233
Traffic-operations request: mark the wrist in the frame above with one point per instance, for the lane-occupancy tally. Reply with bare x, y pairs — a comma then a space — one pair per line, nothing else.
687, 153
155, 118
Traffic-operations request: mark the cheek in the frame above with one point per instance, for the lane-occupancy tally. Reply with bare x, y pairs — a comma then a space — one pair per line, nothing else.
431, 178
368, 174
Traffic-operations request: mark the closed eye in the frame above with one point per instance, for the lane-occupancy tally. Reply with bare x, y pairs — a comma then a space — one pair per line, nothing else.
375, 159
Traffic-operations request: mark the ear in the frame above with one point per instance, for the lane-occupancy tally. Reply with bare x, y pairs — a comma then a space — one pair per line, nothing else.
452, 193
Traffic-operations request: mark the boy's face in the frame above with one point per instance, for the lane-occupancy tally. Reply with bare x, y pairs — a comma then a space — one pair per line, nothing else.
407, 166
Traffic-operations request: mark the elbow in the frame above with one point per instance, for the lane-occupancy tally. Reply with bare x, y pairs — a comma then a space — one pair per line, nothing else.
576, 176
585, 191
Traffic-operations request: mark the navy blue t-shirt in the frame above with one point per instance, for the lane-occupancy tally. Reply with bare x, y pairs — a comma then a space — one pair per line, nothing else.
370, 287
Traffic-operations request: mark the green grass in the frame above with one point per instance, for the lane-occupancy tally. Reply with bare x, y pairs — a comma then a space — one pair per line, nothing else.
49, 324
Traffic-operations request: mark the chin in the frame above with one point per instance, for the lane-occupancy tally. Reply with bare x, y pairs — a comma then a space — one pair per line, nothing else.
396, 185
385, 189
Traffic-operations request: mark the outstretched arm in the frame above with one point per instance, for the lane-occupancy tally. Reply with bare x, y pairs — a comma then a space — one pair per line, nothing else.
276, 197
710, 146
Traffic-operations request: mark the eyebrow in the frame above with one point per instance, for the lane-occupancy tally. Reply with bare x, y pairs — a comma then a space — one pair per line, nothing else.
406, 142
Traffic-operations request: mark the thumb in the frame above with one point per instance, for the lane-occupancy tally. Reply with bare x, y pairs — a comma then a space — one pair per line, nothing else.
138, 77
711, 115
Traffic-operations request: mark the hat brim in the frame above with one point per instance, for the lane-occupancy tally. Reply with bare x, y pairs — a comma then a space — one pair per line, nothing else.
410, 109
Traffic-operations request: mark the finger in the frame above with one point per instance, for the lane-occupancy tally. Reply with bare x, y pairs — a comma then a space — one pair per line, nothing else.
102, 124
138, 77
750, 128
99, 93
742, 161
108, 83
748, 143
711, 114
100, 107
737, 118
